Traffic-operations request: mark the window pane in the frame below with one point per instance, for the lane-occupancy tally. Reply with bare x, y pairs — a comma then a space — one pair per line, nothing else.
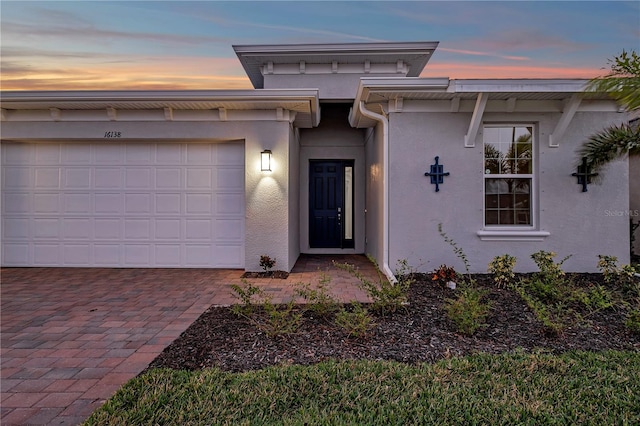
508, 201
508, 150
348, 203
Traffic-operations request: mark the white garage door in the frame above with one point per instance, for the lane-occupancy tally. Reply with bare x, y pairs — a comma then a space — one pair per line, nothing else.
123, 205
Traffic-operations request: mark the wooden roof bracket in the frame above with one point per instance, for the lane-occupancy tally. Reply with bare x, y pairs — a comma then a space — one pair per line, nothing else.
476, 120
570, 107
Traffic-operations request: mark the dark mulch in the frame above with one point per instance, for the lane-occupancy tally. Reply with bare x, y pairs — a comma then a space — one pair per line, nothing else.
419, 333
268, 274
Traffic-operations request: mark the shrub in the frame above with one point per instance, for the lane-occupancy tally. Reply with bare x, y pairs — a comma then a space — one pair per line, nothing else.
468, 311
267, 263
624, 276
502, 269
633, 321
355, 322
443, 275
458, 252
245, 294
280, 319
387, 297
274, 320
550, 271
319, 300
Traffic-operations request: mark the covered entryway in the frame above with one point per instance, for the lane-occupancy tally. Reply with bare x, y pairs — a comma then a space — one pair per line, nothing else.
123, 204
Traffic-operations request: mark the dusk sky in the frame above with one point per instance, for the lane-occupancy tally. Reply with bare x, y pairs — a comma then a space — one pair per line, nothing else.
51, 45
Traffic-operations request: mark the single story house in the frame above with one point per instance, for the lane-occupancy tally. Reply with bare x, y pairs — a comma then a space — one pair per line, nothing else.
340, 148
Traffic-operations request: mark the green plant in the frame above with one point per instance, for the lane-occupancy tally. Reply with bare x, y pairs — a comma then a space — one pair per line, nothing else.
355, 322
274, 319
280, 319
387, 297
624, 276
245, 294
608, 265
267, 263
544, 312
550, 271
502, 269
633, 321
468, 311
318, 299
458, 252
443, 275
595, 298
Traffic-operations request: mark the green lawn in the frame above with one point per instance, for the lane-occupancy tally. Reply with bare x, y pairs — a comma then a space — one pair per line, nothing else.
518, 388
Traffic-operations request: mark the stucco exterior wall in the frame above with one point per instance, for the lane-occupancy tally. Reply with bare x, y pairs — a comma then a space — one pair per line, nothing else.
374, 194
294, 196
330, 86
579, 223
334, 138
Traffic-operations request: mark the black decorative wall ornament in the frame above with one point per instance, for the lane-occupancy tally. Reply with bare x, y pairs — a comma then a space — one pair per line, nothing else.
436, 173
584, 174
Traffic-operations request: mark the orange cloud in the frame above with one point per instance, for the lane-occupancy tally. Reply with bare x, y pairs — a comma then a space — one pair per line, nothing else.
126, 74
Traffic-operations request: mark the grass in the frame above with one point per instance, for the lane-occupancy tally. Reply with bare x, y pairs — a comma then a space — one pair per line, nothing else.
517, 388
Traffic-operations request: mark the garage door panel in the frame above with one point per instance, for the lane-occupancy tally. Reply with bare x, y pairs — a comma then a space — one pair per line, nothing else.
123, 205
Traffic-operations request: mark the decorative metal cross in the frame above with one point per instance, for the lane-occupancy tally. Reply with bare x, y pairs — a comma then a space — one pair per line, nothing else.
437, 174
584, 174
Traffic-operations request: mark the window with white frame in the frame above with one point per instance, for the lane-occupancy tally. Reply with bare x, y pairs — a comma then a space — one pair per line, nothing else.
508, 175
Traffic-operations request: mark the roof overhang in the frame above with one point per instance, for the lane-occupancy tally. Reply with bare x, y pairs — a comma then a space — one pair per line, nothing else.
378, 93
304, 102
254, 57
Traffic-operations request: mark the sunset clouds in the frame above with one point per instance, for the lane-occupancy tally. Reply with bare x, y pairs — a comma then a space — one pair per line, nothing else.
54, 45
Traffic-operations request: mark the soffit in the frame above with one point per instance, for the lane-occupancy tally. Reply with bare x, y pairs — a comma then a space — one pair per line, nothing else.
376, 92
304, 102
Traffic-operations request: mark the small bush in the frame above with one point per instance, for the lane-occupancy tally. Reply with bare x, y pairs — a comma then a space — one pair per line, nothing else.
245, 294
387, 297
550, 271
355, 322
318, 299
443, 275
502, 269
594, 298
623, 276
267, 263
633, 321
280, 319
468, 311
274, 320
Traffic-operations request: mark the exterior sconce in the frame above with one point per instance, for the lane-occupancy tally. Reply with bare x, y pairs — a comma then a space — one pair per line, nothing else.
436, 173
584, 174
265, 160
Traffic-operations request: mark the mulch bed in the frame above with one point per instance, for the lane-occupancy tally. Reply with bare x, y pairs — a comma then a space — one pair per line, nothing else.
419, 333
269, 274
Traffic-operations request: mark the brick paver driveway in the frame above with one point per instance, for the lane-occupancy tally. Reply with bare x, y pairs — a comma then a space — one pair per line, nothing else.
72, 336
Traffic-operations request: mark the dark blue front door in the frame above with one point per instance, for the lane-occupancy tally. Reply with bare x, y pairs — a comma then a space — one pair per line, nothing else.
327, 204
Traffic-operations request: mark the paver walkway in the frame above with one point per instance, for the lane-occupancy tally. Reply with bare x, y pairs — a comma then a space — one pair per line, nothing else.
72, 336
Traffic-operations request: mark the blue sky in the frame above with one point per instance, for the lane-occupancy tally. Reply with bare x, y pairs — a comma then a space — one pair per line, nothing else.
47, 45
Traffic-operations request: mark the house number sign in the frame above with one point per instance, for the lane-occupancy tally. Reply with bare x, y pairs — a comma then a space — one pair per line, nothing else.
110, 135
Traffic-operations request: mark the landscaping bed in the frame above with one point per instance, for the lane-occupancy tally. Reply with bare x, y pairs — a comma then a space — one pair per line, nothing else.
419, 331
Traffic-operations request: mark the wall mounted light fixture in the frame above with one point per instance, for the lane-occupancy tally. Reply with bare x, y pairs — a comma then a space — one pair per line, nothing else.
584, 174
265, 160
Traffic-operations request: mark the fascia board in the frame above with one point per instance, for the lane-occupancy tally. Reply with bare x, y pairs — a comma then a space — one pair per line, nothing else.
213, 95
519, 85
